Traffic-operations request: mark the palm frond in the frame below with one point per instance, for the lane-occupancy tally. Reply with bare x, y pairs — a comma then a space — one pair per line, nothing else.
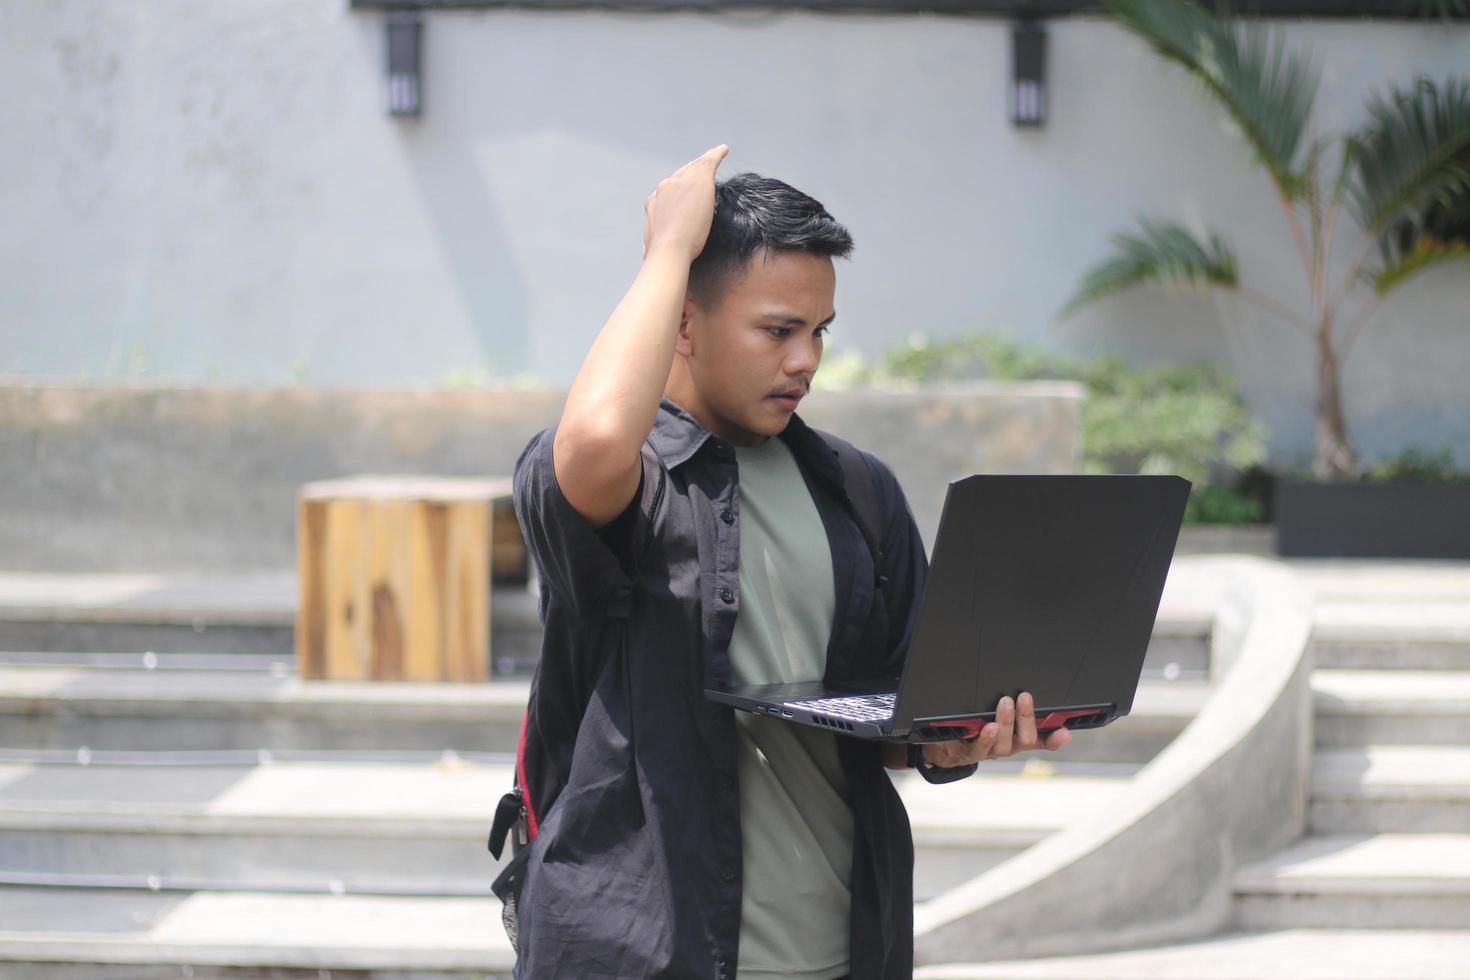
1163, 254
1410, 182
1443, 234
1266, 90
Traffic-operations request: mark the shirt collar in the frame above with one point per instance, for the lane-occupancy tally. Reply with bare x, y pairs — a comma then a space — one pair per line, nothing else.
677, 436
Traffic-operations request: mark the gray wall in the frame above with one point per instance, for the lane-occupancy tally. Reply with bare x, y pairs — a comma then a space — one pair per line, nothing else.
197, 192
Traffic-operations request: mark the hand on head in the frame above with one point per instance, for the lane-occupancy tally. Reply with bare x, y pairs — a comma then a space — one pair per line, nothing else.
677, 215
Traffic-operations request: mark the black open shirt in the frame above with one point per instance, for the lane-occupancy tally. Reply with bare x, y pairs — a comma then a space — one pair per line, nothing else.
636, 869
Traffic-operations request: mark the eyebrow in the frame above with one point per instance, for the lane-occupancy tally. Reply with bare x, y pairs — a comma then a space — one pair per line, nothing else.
796, 321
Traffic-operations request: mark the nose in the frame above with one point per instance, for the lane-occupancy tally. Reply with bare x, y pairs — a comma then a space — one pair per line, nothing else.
804, 357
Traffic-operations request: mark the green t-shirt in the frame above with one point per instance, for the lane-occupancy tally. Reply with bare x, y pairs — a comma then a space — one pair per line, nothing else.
796, 823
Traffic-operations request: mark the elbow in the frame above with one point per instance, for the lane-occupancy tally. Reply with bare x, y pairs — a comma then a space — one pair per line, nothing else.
588, 447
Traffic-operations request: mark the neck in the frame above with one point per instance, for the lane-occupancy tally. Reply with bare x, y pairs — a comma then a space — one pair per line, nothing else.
681, 388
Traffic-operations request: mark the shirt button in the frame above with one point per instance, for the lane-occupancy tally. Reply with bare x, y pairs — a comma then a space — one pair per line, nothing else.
727, 780
727, 515
727, 875
727, 595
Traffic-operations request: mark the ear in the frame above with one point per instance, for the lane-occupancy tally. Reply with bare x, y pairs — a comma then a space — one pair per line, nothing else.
684, 342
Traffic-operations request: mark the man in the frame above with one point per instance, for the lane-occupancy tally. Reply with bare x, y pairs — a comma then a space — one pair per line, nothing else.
690, 528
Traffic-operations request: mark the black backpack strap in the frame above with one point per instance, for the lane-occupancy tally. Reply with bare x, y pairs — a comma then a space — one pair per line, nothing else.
511, 812
508, 813
862, 493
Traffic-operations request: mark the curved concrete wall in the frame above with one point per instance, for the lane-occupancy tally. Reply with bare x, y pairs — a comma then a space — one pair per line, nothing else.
1157, 866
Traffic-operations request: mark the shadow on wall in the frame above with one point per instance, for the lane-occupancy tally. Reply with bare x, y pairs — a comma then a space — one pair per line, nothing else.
439, 152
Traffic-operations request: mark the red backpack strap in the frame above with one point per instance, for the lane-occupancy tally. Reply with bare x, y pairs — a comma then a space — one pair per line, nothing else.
525, 793
514, 811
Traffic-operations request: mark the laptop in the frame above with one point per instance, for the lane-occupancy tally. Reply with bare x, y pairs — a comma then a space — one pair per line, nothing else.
1040, 583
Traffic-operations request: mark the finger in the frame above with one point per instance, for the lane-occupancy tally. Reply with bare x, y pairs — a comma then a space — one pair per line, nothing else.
713, 157
710, 157
979, 748
1005, 720
1026, 720
1057, 739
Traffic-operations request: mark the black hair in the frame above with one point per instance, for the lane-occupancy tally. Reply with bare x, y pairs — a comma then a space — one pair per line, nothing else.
753, 212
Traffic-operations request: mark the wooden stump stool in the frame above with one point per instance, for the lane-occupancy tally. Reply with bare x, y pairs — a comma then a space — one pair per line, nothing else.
395, 576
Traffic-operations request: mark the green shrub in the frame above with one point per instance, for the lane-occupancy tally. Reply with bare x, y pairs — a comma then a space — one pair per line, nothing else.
1418, 465
1213, 503
977, 355
1187, 419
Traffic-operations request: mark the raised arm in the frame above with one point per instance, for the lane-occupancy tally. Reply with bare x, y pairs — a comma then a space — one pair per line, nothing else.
614, 398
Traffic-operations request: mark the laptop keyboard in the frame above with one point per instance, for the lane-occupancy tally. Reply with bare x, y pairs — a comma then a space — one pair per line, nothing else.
862, 707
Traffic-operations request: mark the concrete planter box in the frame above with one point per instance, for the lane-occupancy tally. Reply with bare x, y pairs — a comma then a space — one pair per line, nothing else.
1372, 520
180, 478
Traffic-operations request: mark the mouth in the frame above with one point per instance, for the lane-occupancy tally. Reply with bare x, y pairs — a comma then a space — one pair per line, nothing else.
788, 399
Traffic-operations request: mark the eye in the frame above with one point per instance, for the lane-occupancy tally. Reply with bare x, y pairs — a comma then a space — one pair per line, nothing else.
779, 332
821, 332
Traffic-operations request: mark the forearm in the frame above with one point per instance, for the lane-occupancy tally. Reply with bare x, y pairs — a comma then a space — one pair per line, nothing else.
614, 398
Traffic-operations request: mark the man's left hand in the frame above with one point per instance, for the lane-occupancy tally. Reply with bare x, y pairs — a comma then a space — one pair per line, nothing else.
1014, 730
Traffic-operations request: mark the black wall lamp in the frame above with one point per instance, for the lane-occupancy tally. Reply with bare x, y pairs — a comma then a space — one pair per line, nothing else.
1028, 74
403, 88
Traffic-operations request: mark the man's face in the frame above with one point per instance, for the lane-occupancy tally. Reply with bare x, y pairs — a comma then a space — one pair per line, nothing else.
762, 340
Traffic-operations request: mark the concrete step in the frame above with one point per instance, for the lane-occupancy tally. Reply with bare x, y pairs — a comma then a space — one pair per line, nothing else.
77, 933
60, 708
409, 828
254, 613
1391, 707
1404, 881
1383, 579
50, 707
962, 829
1376, 788
249, 612
1278, 954
1426, 634
279, 663
1388, 613
330, 827
192, 612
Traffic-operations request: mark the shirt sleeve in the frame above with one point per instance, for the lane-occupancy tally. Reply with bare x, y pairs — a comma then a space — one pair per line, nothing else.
583, 567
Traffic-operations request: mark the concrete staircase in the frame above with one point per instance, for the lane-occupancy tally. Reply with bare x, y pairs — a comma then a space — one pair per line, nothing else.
205, 813
198, 810
1380, 884
1388, 844
180, 822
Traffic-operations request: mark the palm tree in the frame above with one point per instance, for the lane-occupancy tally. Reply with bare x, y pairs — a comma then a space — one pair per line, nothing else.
1404, 177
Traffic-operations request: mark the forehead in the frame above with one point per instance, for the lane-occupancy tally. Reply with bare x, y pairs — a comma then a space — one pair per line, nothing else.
784, 277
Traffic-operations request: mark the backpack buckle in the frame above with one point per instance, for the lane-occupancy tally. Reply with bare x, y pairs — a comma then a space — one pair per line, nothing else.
509, 812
